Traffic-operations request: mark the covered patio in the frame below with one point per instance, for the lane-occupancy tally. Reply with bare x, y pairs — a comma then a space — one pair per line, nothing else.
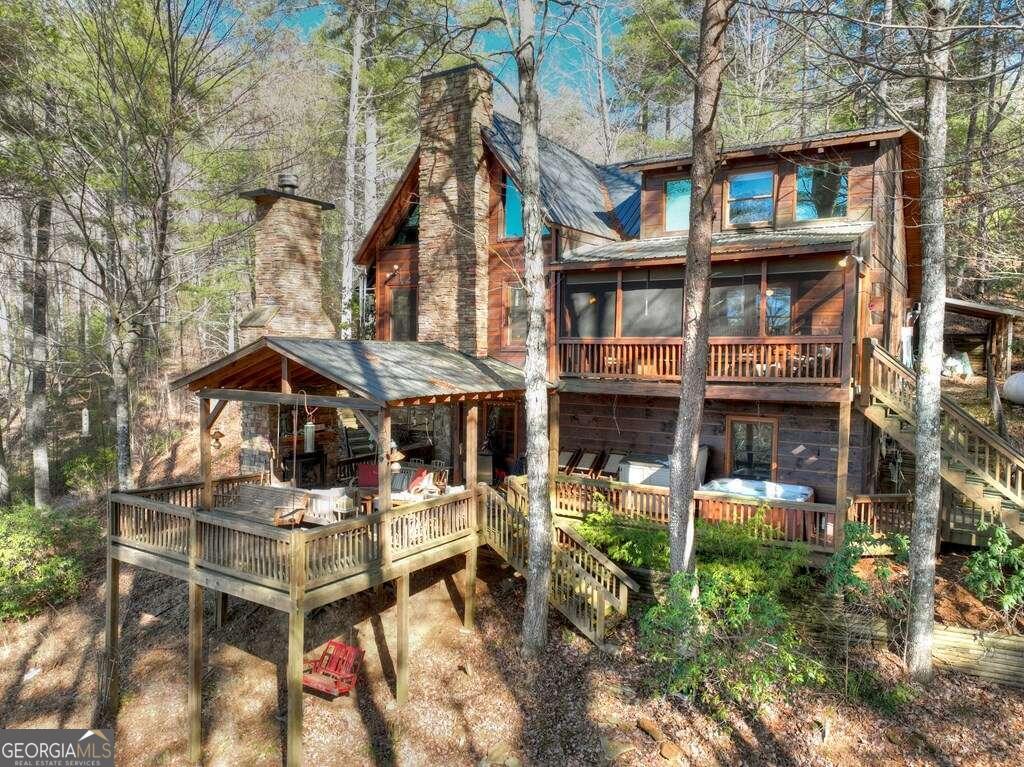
271, 541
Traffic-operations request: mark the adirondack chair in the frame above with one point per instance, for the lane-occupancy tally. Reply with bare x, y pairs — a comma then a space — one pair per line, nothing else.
335, 672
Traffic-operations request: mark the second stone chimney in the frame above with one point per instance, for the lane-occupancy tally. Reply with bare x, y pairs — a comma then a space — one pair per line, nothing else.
287, 264
454, 194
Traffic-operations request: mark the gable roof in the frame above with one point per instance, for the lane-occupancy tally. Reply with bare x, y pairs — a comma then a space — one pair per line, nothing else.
858, 135
380, 371
576, 193
838, 234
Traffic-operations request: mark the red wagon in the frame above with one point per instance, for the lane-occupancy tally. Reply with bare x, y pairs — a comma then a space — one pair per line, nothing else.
334, 673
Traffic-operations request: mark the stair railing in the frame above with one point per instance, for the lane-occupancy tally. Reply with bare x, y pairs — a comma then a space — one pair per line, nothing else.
972, 443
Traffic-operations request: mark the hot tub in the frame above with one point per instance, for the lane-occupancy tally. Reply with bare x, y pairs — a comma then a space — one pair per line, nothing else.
758, 488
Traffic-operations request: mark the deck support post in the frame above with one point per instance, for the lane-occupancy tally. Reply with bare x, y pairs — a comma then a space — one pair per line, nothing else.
842, 473
293, 672
402, 624
110, 696
384, 483
195, 672
553, 448
472, 446
469, 589
221, 608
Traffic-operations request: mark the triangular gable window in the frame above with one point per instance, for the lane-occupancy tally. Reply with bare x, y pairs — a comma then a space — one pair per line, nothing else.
408, 232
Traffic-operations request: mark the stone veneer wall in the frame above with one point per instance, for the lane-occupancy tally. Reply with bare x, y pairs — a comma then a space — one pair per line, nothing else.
454, 195
288, 258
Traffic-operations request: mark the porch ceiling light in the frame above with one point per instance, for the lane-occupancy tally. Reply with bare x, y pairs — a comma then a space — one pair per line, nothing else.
217, 436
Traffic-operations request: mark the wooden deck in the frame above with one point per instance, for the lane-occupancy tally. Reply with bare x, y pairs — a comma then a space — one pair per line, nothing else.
811, 524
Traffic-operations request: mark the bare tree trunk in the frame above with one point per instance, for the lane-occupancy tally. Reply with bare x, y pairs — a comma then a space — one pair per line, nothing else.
927, 443
682, 476
538, 571
602, 95
37, 410
370, 162
348, 191
122, 350
5, 477
882, 91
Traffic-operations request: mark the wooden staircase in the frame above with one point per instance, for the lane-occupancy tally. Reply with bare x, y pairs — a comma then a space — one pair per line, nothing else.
589, 589
982, 467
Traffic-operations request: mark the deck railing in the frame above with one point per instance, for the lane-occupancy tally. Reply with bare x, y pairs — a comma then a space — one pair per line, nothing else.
963, 437
883, 513
782, 359
189, 494
811, 523
227, 542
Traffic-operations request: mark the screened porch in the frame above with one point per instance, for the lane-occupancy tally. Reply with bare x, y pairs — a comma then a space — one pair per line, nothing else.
771, 320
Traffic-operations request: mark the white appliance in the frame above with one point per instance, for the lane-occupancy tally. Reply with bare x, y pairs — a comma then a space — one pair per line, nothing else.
643, 470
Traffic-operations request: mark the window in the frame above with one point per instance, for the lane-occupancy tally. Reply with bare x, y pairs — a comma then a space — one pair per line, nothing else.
804, 297
677, 204
515, 313
589, 310
403, 314
735, 300
821, 191
652, 302
751, 447
512, 205
408, 232
751, 198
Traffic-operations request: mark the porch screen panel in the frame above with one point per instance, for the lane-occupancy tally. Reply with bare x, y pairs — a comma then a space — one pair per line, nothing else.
735, 300
589, 305
652, 302
804, 298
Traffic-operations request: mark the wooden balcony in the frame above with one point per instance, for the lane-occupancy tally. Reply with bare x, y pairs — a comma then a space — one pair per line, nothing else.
756, 360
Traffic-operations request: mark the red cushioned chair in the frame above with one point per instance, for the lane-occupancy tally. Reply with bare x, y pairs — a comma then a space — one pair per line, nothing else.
335, 671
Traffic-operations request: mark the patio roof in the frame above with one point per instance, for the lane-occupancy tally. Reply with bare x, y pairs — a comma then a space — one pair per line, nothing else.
982, 310
382, 372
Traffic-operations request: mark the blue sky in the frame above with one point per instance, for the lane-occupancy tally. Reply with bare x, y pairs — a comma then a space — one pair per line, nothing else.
566, 64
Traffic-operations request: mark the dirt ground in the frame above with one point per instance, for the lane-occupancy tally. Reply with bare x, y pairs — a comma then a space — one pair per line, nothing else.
472, 699
971, 394
955, 605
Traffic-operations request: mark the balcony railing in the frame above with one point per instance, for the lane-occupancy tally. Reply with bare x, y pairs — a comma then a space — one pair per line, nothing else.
782, 359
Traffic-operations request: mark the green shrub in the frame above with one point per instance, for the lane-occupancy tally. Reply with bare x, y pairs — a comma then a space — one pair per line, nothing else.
997, 570
866, 686
42, 557
91, 472
634, 543
723, 634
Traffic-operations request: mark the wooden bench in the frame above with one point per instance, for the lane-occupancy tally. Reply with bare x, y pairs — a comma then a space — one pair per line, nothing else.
264, 501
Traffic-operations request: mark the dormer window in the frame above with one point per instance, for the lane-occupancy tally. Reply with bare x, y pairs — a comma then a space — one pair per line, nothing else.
821, 191
751, 198
677, 205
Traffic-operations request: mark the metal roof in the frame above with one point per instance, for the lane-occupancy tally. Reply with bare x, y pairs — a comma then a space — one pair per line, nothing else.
733, 240
575, 192
381, 371
776, 145
983, 310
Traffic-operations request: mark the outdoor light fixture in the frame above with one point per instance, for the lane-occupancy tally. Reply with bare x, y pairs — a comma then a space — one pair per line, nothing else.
217, 436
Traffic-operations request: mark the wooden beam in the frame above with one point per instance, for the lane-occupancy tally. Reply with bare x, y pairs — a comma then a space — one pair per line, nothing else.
296, 639
215, 413
457, 443
205, 456
286, 377
384, 481
282, 398
553, 444
111, 677
469, 590
472, 424
195, 672
842, 472
402, 625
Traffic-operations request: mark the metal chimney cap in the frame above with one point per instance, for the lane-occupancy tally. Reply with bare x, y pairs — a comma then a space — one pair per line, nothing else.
288, 182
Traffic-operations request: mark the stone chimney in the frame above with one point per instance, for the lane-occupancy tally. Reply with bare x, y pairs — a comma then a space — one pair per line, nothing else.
288, 260
454, 194
288, 297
